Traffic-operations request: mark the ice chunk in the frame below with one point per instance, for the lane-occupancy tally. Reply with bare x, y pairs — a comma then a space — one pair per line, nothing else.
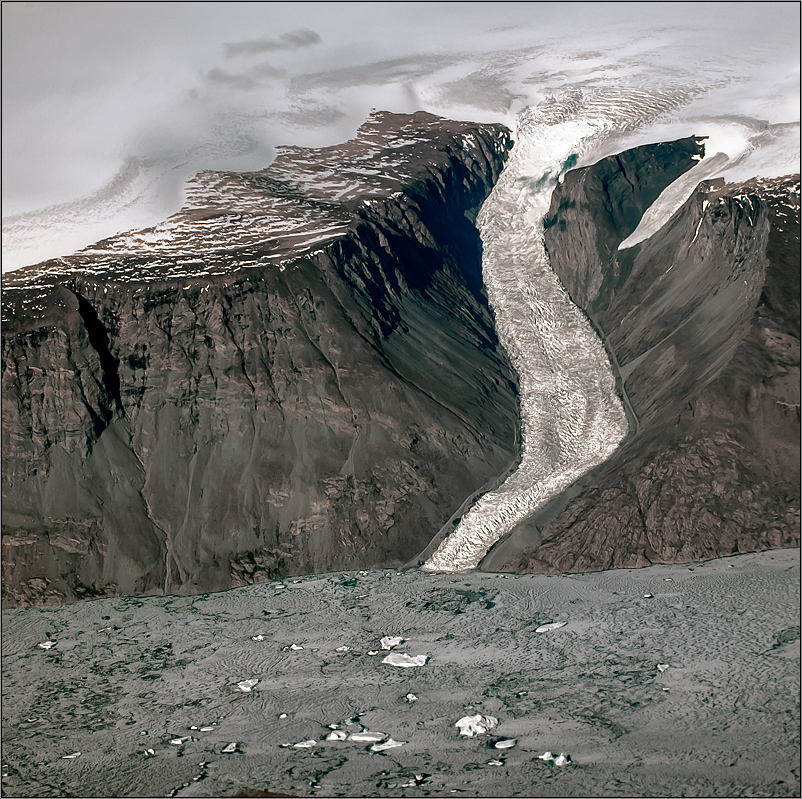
648, 596
150, 753
283, 716
555, 625
405, 661
337, 735
71, 757
411, 698
367, 736
180, 741
661, 667
390, 641
257, 638
206, 729
305, 744
342, 649
495, 762
506, 743
229, 748
476, 725
296, 647
47, 644
388, 744
560, 760
247, 685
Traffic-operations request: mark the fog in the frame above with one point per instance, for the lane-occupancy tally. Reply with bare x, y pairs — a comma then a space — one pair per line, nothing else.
109, 107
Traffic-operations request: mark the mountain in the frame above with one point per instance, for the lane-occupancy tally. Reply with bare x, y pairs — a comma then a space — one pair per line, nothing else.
299, 372
701, 321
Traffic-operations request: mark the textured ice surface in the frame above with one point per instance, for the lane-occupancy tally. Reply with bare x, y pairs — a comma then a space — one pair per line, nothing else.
571, 417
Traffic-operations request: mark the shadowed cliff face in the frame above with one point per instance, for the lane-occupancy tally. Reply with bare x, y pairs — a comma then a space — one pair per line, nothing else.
702, 322
298, 373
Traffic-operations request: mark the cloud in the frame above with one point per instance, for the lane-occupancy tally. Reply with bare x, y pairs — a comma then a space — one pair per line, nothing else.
294, 40
249, 79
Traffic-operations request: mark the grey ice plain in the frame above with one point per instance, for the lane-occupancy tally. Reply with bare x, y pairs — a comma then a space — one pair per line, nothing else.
666, 681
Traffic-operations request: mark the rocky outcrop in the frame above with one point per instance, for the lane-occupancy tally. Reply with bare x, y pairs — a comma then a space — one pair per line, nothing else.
297, 373
701, 320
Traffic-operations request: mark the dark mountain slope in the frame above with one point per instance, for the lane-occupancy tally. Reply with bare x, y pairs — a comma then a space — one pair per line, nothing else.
297, 373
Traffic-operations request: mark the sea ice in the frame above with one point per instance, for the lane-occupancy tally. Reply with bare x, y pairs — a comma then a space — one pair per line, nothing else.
471, 726
390, 642
337, 735
247, 685
507, 743
229, 748
367, 737
405, 661
71, 757
305, 744
388, 744
661, 667
47, 645
544, 628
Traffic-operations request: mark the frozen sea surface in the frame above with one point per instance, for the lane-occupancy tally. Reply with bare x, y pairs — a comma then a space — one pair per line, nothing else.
126, 678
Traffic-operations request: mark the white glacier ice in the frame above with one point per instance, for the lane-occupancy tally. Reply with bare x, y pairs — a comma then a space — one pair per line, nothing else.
571, 416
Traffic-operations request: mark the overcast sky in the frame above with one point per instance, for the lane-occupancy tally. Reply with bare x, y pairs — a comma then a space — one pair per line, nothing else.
109, 107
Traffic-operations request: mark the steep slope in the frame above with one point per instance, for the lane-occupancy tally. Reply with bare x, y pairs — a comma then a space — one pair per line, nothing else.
297, 373
702, 322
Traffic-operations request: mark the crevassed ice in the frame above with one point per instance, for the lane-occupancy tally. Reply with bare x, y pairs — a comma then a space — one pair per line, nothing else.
571, 416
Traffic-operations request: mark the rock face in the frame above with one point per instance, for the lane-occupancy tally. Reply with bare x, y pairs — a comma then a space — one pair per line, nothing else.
702, 323
297, 373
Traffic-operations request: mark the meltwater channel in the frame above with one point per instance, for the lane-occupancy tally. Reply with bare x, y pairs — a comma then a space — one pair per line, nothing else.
571, 416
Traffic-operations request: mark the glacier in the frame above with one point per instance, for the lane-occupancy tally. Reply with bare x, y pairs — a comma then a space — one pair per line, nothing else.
572, 418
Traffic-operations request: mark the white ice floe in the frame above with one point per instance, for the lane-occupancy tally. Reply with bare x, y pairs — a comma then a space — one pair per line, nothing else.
229, 748
507, 743
150, 753
495, 762
47, 644
648, 596
305, 744
390, 641
555, 625
343, 649
180, 741
337, 735
247, 685
559, 760
373, 652
283, 716
405, 661
471, 726
367, 737
257, 638
661, 667
71, 757
388, 744
296, 647
411, 698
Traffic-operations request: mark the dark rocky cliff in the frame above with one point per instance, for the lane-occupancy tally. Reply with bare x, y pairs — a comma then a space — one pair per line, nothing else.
296, 373
702, 323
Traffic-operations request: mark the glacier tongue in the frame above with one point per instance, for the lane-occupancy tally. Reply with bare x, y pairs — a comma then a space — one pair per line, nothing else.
571, 416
